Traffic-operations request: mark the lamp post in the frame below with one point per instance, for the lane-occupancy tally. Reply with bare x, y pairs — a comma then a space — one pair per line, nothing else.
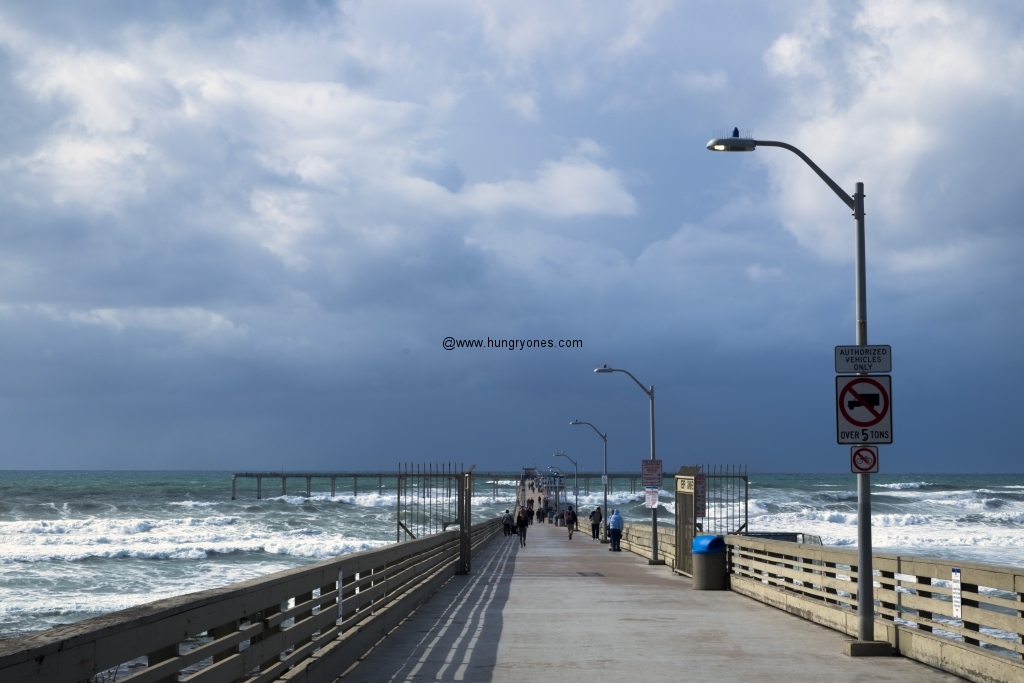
552, 468
575, 480
604, 477
654, 511
865, 580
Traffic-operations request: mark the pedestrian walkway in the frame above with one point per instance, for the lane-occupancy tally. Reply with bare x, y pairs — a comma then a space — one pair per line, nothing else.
561, 610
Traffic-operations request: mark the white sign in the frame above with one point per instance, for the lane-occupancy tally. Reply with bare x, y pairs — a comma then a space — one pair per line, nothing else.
576, 491
957, 601
864, 409
700, 495
651, 497
864, 460
604, 479
651, 471
869, 359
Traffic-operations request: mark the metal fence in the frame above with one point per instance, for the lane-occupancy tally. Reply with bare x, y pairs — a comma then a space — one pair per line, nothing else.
710, 499
428, 498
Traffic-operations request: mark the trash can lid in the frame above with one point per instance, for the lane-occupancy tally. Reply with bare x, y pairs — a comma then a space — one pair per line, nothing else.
705, 545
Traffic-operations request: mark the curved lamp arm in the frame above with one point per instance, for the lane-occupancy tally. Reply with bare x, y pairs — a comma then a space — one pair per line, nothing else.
581, 422
847, 199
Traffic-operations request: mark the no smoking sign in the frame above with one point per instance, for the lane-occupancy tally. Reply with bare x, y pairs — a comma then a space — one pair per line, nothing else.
864, 460
864, 409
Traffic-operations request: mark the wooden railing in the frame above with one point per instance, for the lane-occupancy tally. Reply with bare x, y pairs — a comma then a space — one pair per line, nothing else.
285, 626
913, 598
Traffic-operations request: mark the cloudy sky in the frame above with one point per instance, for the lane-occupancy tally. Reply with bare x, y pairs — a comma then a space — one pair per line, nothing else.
234, 234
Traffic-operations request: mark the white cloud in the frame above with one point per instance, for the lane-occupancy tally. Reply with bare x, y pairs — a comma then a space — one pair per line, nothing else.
891, 96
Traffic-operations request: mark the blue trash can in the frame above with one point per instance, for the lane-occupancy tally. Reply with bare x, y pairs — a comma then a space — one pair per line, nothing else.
709, 563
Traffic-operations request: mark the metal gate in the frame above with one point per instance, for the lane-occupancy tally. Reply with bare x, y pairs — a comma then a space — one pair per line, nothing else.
432, 497
709, 500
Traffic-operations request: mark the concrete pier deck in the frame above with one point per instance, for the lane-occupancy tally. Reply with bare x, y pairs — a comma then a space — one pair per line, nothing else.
560, 610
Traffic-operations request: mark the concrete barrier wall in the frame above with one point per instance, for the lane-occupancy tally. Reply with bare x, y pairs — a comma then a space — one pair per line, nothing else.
819, 584
304, 625
636, 538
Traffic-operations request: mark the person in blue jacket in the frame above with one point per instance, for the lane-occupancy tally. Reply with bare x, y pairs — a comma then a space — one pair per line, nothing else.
615, 525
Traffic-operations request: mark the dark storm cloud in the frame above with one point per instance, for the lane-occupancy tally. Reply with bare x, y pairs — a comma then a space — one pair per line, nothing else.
236, 230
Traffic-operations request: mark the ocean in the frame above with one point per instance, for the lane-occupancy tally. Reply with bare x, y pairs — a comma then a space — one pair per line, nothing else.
77, 544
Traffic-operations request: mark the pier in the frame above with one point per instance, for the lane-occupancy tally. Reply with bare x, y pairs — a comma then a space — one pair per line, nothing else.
459, 601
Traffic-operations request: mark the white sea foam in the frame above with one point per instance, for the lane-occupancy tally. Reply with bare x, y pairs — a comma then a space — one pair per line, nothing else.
904, 485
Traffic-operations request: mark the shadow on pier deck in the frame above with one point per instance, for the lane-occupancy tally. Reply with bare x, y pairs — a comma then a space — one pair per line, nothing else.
572, 611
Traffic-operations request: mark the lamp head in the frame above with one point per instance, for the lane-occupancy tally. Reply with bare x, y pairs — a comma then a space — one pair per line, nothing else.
603, 368
577, 422
734, 143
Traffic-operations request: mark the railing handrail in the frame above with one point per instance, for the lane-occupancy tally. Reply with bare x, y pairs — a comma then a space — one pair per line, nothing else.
904, 586
93, 645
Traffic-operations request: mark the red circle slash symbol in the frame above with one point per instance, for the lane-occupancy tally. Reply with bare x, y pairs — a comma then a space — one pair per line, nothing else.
864, 459
875, 403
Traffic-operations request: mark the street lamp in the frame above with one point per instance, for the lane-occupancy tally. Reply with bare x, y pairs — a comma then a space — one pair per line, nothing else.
865, 580
552, 469
654, 511
575, 479
604, 477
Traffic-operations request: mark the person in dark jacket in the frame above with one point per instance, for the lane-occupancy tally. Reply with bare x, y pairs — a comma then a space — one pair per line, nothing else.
595, 522
522, 521
570, 520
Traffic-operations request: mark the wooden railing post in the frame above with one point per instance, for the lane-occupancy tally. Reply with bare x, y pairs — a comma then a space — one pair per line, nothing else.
970, 625
831, 575
162, 655
924, 614
884, 582
267, 632
221, 631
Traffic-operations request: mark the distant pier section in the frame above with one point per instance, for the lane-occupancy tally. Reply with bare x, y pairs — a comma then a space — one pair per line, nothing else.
586, 479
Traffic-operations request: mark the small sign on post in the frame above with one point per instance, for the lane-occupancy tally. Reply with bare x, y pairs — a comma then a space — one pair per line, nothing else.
651, 471
700, 495
651, 497
604, 479
864, 460
576, 490
957, 598
872, 360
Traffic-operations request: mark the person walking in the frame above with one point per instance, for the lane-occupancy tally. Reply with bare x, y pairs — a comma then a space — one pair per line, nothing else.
615, 525
529, 515
522, 522
595, 522
506, 520
570, 520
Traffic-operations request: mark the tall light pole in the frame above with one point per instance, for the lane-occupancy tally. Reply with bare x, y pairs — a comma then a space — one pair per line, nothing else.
552, 468
575, 479
604, 477
865, 580
654, 511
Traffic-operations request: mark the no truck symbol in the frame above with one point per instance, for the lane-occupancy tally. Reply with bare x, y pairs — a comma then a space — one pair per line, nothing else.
864, 409
865, 393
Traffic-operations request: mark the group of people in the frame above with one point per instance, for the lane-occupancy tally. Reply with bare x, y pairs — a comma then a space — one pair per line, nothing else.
615, 525
516, 526
524, 519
